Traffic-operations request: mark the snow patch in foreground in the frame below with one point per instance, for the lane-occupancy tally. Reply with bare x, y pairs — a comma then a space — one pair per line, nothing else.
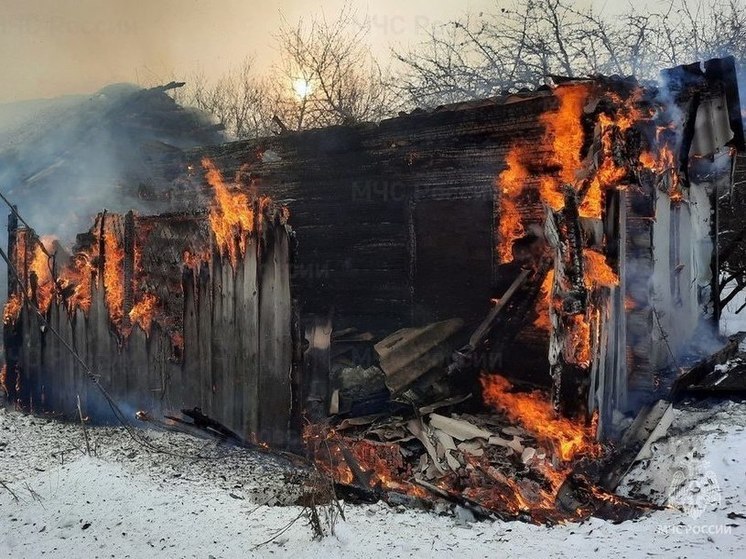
104, 507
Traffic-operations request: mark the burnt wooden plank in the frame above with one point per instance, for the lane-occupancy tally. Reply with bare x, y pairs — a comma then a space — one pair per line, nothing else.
204, 337
138, 368
37, 380
80, 345
275, 348
247, 331
190, 366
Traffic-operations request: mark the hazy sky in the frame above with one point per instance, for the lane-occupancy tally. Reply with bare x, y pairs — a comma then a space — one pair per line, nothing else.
55, 47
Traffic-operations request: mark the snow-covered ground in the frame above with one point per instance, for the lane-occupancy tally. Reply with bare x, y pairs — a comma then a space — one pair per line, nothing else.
127, 501
730, 322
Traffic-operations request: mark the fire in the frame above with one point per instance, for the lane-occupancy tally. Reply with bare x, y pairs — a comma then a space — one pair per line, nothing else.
511, 183
581, 340
12, 309
564, 137
380, 465
664, 163
647, 159
535, 413
194, 260
608, 173
114, 277
143, 311
564, 130
565, 142
41, 265
231, 216
545, 300
597, 270
78, 277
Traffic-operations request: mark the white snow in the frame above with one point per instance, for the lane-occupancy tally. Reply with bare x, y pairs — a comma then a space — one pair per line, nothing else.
131, 502
730, 322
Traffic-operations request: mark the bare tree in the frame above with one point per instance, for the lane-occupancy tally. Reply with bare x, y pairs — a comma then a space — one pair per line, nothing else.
515, 48
327, 74
238, 100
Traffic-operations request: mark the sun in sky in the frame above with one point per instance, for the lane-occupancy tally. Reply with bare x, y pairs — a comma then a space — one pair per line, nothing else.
302, 87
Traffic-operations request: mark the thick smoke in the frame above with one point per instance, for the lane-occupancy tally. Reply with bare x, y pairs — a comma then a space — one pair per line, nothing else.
62, 161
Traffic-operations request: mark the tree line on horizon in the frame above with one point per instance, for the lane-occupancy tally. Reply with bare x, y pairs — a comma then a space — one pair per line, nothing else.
327, 75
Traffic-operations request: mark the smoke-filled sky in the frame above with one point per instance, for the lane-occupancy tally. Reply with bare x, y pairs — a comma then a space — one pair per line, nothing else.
56, 47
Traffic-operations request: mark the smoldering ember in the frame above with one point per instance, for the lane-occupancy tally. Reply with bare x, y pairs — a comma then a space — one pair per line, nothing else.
510, 313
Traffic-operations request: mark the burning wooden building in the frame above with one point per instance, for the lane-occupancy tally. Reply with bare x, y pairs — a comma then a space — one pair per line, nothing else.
603, 188
168, 312
565, 238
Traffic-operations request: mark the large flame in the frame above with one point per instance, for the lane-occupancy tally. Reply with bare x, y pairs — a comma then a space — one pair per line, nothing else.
41, 265
231, 215
114, 277
597, 270
564, 130
534, 412
12, 309
143, 311
563, 137
564, 140
543, 320
511, 183
234, 218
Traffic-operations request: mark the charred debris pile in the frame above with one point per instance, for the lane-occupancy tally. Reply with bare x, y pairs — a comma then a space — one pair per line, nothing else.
488, 303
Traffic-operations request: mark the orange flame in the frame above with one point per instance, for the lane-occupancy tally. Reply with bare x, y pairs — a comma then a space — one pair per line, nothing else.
12, 309
580, 336
231, 216
597, 270
564, 136
511, 183
535, 413
41, 266
114, 277
664, 163
543, 320
78, 276
142, 312
565, 131
381, 463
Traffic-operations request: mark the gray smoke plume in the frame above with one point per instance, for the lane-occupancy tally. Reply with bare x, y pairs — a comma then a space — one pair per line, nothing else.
64, 160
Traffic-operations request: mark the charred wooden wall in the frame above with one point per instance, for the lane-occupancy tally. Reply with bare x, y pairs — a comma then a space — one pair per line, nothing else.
220, 337
395, 221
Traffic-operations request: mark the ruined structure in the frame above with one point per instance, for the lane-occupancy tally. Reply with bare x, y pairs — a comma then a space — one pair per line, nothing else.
172, 311
602, 187
564, 238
